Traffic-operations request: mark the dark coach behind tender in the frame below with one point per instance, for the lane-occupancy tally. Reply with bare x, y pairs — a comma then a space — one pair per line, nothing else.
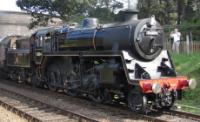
116, 62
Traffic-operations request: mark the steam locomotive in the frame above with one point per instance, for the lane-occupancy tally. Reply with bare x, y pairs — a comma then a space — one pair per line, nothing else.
117, 62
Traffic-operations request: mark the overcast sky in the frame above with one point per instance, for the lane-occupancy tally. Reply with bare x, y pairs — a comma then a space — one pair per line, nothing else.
10, 5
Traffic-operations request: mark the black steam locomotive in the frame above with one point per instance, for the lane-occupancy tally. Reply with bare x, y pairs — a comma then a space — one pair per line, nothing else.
117, 62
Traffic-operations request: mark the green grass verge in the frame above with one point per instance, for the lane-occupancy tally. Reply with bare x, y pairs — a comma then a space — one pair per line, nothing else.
189, 65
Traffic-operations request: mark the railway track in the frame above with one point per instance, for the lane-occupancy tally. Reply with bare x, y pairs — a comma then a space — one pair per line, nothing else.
33, 109
187, 108
175, 116
182, 114
36, 111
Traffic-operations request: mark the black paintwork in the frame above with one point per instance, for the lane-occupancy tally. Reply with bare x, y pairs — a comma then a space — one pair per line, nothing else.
130, 35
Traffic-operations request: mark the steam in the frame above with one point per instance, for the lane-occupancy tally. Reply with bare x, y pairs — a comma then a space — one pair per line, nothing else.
132, 4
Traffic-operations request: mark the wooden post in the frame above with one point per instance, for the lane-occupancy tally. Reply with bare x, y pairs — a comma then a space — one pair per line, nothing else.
191, 41
187, 44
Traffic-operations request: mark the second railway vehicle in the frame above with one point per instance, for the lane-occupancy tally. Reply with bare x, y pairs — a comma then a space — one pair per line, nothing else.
123, 61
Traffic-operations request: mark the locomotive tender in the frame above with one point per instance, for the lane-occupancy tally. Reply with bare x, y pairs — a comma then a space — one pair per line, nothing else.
118, 62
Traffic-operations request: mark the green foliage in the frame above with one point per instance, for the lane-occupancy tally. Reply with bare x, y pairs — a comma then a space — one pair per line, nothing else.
42, 11
173, 12
162, 9
103, 14
189, 65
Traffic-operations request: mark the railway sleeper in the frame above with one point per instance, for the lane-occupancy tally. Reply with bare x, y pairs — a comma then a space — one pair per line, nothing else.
54, 118
50, 110
31, 108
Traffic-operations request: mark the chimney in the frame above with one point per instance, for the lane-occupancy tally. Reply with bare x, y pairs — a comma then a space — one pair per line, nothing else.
128, 15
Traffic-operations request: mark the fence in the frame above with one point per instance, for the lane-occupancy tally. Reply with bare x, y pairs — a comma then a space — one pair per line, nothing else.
185, 47
190, 34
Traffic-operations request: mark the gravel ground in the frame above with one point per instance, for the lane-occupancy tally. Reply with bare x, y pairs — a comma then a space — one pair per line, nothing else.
99, 112
7, 116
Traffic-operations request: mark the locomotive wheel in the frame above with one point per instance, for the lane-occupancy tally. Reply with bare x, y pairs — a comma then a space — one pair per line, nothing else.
167, 101
19, 80
53, 77
52, 80
72, 93
71, 78
13, 76
136, 102
35, 81
69, 81
98, 96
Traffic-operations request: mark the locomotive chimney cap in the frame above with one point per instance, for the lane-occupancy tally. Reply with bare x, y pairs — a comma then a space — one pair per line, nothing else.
129, 11
90, 23
128, 14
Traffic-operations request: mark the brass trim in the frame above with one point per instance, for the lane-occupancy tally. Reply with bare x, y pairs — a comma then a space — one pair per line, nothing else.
93, 39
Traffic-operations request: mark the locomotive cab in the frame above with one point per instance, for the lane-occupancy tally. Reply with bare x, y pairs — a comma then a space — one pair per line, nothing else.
18, 59
18, 52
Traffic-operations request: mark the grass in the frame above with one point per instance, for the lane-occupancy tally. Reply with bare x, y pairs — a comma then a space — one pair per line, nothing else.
189, 65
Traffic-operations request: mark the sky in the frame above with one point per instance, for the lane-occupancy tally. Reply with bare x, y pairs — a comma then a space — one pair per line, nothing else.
10, 5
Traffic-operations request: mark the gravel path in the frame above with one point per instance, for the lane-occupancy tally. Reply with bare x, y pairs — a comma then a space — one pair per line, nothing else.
7, 116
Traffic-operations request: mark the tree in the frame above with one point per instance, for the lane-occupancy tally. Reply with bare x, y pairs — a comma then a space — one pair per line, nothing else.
105, 10
170, 11
162, 9
110, 4
42, 11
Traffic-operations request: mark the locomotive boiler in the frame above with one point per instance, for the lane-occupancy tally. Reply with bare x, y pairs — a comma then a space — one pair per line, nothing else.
117, 62
144, 38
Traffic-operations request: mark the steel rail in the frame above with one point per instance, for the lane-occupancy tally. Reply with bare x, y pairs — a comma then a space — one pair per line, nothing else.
30, 117
68, 113
81, 117
183, 114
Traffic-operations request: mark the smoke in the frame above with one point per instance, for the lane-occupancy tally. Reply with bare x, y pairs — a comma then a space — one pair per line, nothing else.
133, 4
